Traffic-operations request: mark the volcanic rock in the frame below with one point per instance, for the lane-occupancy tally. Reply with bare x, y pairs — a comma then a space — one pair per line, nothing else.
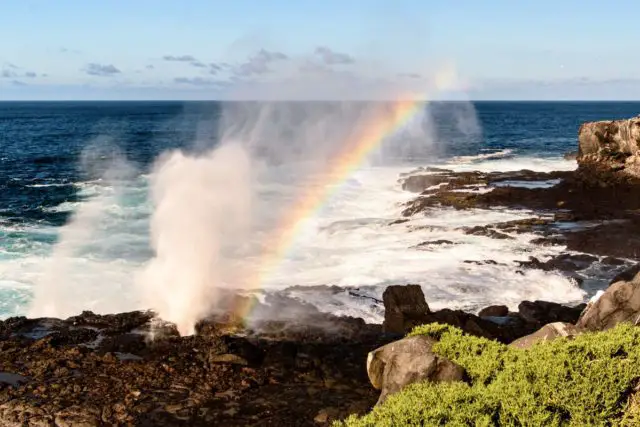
543, 312
627, 275
406, 361
619, 303
418, 183
114, 370
404, 308
613, 142
494, 311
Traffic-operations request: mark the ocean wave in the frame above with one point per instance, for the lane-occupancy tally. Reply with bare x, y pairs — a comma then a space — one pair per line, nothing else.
62, 184
509, 164
340, 244
501, 154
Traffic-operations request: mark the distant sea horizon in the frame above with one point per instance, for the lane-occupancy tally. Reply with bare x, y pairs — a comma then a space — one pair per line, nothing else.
564, 101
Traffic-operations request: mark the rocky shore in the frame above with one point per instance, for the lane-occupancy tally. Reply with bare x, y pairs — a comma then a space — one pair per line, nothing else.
133, 369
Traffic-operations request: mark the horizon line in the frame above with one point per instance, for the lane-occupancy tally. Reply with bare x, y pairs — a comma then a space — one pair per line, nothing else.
316, 100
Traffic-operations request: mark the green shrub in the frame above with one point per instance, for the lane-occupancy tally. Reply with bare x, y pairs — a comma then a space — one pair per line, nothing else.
585, 381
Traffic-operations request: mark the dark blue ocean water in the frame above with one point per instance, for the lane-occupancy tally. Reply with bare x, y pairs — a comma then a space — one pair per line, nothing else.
44, 173
41, 142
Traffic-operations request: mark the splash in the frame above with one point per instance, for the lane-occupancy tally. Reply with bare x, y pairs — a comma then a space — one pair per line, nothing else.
54, 293
201, 209
198, 255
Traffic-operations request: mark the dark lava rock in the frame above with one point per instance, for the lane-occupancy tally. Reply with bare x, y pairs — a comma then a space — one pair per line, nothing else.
589, 193
562, 262
404, 308
113, 370
616, 239
543, 312
438, 170
550, 241
504, 332
612, 261
494, 311
435, 243
486, 231
418, 183
483, 262
627, 275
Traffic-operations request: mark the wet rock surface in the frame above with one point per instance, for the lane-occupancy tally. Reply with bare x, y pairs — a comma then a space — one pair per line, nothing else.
128, 369
619, 303
593, 210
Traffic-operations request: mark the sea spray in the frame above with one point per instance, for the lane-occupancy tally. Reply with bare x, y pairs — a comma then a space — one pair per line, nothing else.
207, 229
202, 206
55, 294
204, 209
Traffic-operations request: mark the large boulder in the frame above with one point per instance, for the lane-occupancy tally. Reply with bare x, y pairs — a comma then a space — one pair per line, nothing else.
619, 303
409, 360
616, 142
547, 333
404, 308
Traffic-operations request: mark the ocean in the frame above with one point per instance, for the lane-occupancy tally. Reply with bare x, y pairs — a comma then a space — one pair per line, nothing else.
75, 230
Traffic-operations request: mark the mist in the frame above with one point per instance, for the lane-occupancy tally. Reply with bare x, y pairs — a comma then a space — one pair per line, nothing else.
221, 212
56, 293
224, 207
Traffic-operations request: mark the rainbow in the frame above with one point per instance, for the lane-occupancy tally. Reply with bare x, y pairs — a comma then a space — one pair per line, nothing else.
362, 142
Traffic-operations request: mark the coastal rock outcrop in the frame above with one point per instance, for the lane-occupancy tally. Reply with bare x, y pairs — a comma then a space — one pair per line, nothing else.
615, 143
494, 311
543, 312
132, 369
619, 303
406, 361
404, 308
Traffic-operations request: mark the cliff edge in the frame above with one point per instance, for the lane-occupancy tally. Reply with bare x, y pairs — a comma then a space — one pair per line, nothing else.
612, 143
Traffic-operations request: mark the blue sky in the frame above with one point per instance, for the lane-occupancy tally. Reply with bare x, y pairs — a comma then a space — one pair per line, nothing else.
197, 49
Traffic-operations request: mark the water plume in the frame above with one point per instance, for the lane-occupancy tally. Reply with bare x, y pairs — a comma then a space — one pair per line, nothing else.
201, 205
215, 223
55, 294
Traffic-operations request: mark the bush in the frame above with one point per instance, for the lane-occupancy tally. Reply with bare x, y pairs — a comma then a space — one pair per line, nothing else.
583, 381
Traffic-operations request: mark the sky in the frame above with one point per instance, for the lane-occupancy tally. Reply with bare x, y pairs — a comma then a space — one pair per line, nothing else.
309, 49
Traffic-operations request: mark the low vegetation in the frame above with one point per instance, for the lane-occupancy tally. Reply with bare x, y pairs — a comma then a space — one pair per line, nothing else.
585, 381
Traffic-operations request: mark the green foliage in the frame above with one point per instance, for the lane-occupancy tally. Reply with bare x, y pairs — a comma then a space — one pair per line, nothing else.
585, 381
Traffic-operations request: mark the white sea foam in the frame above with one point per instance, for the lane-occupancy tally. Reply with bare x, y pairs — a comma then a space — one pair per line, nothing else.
348, 243
539, 164
500, 154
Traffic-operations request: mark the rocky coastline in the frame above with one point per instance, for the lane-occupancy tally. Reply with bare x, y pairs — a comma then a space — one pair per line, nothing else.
133, 369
